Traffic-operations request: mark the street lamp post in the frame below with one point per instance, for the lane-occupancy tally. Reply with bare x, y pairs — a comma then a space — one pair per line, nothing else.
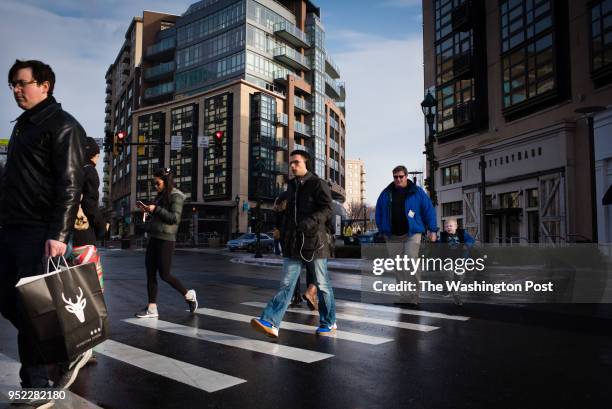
482, 164
427, 106
237, 200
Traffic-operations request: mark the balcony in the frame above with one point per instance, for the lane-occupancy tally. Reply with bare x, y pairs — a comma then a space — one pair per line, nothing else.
463, 114
107, 109
164, 49
291, 58
332, 88
282, 119
302, 129
280, 144
281, 168
107, 118
342, 106
301, 105
334, 124
304, 148
161, 71
109, 89
125, 58
125, 69
331, 68
108, 98
159, 91
291, 34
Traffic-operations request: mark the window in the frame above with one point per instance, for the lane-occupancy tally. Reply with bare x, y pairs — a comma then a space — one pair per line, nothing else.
183, 123
217, 175
532, 197
210, 72
601, 41
452, 209
211, 48
212, 23
451, 174
527, 50
509, 200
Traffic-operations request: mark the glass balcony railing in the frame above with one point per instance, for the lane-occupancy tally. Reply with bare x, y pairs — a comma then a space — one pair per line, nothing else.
166, 44
302, 105
281, 143
160, 70
281, 167
158, 90
302, 128
331, 67
282, 119
291, 34
304, 148
292, 58
332, 87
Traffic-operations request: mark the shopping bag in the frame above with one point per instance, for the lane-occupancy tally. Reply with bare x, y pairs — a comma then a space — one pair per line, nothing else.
89, 254
64, 310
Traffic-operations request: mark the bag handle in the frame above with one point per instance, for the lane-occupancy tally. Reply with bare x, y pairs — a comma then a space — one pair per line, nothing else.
57, 266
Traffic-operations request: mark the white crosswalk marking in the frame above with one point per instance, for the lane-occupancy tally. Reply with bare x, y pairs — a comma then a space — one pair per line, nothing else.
349, 317
9, 381
281, 351
397, 310
308, 329
192, 375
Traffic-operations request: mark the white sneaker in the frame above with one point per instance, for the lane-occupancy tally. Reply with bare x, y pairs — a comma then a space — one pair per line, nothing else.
70, 375
192, 300
147, 313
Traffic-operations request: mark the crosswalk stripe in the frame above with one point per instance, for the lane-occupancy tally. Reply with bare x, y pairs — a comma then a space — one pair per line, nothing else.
9, 381
281, 351
309, 329
192, 375
398, 310
349, 317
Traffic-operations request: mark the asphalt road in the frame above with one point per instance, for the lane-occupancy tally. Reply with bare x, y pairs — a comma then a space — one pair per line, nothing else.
440, 356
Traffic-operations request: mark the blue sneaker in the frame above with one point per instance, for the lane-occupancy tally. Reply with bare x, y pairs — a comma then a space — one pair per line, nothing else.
325, 330
264, 327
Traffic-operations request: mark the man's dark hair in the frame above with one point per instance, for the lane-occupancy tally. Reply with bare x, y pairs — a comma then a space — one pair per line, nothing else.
91, 148
302, 153
41, 72
401, 168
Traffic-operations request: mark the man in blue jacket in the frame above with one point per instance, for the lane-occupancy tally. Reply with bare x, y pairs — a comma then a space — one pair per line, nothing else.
403, 213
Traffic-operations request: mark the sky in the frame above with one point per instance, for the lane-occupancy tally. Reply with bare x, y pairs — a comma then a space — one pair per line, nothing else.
376, 44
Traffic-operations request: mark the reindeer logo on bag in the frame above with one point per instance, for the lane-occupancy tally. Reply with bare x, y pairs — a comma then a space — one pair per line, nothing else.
77, 307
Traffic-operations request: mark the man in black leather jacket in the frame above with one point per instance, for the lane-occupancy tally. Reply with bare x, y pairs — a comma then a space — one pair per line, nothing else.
39, 196
305, 240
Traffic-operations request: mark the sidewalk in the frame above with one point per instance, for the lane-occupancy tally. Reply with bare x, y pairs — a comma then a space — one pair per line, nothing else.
351, 265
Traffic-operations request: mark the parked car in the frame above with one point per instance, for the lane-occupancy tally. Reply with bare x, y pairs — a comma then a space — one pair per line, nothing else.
248, 242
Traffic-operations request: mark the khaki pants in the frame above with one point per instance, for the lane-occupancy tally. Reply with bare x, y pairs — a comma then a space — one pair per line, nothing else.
406, 246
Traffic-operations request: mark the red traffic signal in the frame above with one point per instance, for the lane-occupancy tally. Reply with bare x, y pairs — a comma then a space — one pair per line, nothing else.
219, 135
120, 136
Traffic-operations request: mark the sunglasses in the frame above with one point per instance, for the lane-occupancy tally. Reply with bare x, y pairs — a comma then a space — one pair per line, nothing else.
399, 176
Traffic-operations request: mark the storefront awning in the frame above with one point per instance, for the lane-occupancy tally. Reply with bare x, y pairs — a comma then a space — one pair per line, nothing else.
607, 199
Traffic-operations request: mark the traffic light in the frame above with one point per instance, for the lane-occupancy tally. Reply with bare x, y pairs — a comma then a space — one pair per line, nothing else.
219, 143
120, 140
108, 141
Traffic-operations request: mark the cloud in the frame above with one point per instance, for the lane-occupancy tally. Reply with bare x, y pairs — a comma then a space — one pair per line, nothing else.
384, 86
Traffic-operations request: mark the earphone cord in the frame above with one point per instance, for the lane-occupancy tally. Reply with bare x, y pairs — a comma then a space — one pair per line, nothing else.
303, 235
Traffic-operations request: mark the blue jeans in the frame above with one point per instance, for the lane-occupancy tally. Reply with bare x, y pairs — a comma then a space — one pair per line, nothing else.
277, 306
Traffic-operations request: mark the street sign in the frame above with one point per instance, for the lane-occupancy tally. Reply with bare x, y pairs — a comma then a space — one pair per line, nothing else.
338, 224
176, 142
203, 142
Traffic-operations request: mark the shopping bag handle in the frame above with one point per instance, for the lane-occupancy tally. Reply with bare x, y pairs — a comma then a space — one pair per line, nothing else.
57, 266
